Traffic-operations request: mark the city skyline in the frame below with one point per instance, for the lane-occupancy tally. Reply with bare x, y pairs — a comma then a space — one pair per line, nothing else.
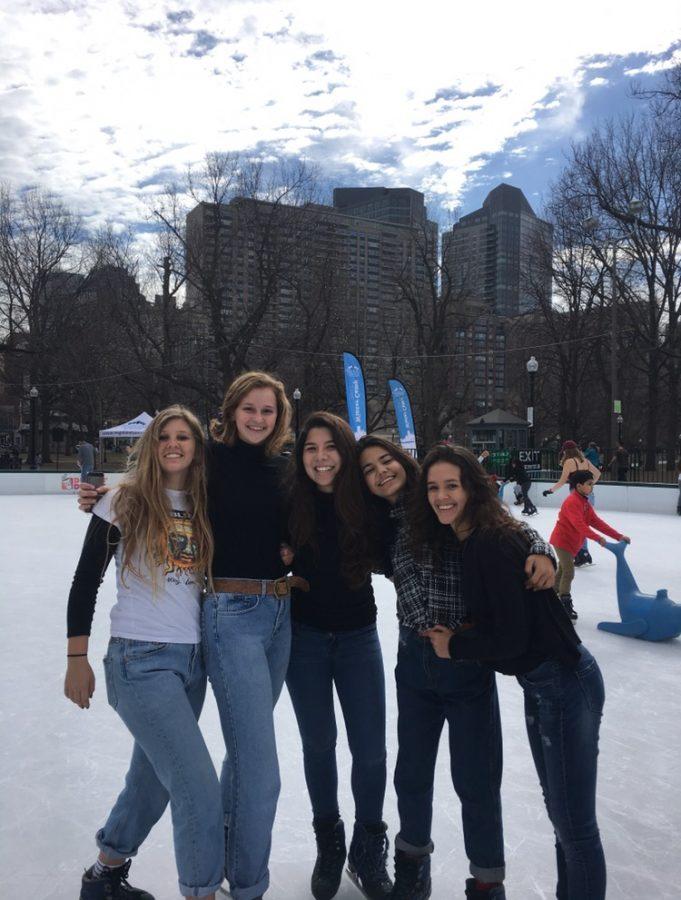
105, 103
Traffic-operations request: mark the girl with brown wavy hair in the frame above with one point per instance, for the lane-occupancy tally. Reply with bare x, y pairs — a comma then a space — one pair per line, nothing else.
335, 645
155, 524
523, 633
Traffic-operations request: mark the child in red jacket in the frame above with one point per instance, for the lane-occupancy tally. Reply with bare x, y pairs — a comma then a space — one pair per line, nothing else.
576, 521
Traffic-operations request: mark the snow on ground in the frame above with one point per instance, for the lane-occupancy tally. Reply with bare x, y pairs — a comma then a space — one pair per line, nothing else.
61, 767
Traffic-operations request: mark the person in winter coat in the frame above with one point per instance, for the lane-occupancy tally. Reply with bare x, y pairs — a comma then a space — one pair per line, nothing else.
576, 521
516, 472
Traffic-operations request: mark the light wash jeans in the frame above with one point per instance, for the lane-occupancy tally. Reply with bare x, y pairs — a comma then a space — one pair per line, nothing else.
158, 691
247, 641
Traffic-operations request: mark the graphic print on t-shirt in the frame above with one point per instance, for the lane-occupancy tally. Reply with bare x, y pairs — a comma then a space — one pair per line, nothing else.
181, 549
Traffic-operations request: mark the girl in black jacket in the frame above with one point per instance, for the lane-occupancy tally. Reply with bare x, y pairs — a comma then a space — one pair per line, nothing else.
523, 633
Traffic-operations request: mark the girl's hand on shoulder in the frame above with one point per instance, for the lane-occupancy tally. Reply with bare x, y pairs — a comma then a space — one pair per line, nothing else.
439, 636
540, 571
286, 553
627, 540
79, 683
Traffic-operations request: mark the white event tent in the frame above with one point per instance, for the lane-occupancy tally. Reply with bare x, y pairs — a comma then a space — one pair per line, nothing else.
132, 429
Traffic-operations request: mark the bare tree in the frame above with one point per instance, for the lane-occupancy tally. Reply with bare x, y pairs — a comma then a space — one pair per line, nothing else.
434, 295
40, 283
638, 159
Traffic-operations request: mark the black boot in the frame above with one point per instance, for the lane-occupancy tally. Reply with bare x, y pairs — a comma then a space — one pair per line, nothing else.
367, 860
566, 600
580, 559
111, 885
331, 853
472, 892
412, 877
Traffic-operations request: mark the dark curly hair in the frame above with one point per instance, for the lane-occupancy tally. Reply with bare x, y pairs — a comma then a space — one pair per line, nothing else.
484, 510
358, 551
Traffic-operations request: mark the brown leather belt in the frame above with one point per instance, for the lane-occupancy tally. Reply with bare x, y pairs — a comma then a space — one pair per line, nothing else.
281, 587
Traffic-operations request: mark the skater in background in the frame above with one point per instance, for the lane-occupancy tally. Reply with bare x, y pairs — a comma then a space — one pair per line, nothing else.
430, 693
576, 521
619, 464
155, 524
519, 632
335, 645
573, 460
593, 455
515, 471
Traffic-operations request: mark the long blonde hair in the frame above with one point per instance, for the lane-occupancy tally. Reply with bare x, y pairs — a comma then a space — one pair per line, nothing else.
225, 429
141, 506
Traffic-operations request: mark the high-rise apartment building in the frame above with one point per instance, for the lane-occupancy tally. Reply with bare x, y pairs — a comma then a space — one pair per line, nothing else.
495, 253
291, 271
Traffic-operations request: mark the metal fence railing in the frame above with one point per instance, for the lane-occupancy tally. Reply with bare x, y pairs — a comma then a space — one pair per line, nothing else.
641, 467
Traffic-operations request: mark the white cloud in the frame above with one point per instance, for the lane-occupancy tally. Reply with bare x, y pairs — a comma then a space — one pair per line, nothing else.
100, 96
598, 82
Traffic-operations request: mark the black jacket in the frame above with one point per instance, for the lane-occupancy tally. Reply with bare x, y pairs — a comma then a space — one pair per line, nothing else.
514, 629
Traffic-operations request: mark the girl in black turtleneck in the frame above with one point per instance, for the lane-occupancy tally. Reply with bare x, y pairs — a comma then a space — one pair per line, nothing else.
335, 644
246, 624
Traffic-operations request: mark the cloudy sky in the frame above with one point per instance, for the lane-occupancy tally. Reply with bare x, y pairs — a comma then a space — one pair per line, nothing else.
105, 101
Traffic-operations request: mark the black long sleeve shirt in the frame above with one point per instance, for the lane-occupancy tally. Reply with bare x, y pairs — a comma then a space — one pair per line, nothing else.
514, 629
331, 604
245, 507
99, 546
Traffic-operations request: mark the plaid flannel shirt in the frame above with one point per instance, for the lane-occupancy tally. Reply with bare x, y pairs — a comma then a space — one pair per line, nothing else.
428, 595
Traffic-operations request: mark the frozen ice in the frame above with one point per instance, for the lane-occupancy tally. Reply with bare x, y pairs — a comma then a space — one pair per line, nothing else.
61, 767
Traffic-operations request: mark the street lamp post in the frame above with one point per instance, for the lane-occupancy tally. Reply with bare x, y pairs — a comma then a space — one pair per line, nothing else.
33, 394
532, 369
620, 423
296, 399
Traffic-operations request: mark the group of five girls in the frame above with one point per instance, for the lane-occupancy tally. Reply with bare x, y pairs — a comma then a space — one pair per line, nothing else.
339, 513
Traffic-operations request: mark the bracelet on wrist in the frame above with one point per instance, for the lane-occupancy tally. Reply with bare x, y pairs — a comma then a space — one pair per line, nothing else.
71, 655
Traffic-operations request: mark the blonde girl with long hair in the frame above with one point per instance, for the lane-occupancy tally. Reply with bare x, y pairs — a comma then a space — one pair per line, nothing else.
155, 525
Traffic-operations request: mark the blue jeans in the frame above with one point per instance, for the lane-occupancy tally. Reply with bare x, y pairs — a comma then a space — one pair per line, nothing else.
352, 661
431, 691
246, 641
563, 709
158, 691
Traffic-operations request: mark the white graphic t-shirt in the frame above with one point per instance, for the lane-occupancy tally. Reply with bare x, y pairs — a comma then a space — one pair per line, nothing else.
170, 613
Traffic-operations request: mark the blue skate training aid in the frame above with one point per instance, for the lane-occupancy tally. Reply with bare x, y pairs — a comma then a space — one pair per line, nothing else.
650, 617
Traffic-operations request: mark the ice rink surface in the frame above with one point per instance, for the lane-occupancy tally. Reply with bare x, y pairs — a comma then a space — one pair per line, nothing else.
63, 767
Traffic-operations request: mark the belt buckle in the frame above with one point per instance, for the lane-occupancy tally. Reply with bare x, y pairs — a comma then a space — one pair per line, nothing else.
281, 588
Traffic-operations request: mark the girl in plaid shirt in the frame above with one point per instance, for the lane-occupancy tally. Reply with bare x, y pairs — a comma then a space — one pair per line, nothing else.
430, 693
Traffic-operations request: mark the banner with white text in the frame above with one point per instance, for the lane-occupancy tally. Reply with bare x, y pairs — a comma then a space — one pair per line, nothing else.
405, 420
355, 395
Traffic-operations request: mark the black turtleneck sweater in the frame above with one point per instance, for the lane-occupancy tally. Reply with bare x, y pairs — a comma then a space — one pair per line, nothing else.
245, 507
330, 605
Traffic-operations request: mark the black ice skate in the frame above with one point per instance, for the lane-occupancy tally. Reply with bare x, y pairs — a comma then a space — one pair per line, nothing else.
367, 860
331, 853
412, 877
111, 885
472, 893
566, 600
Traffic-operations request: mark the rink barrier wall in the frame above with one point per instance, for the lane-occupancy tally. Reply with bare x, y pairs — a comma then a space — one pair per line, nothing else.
643, 498
660, 499
46, 482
